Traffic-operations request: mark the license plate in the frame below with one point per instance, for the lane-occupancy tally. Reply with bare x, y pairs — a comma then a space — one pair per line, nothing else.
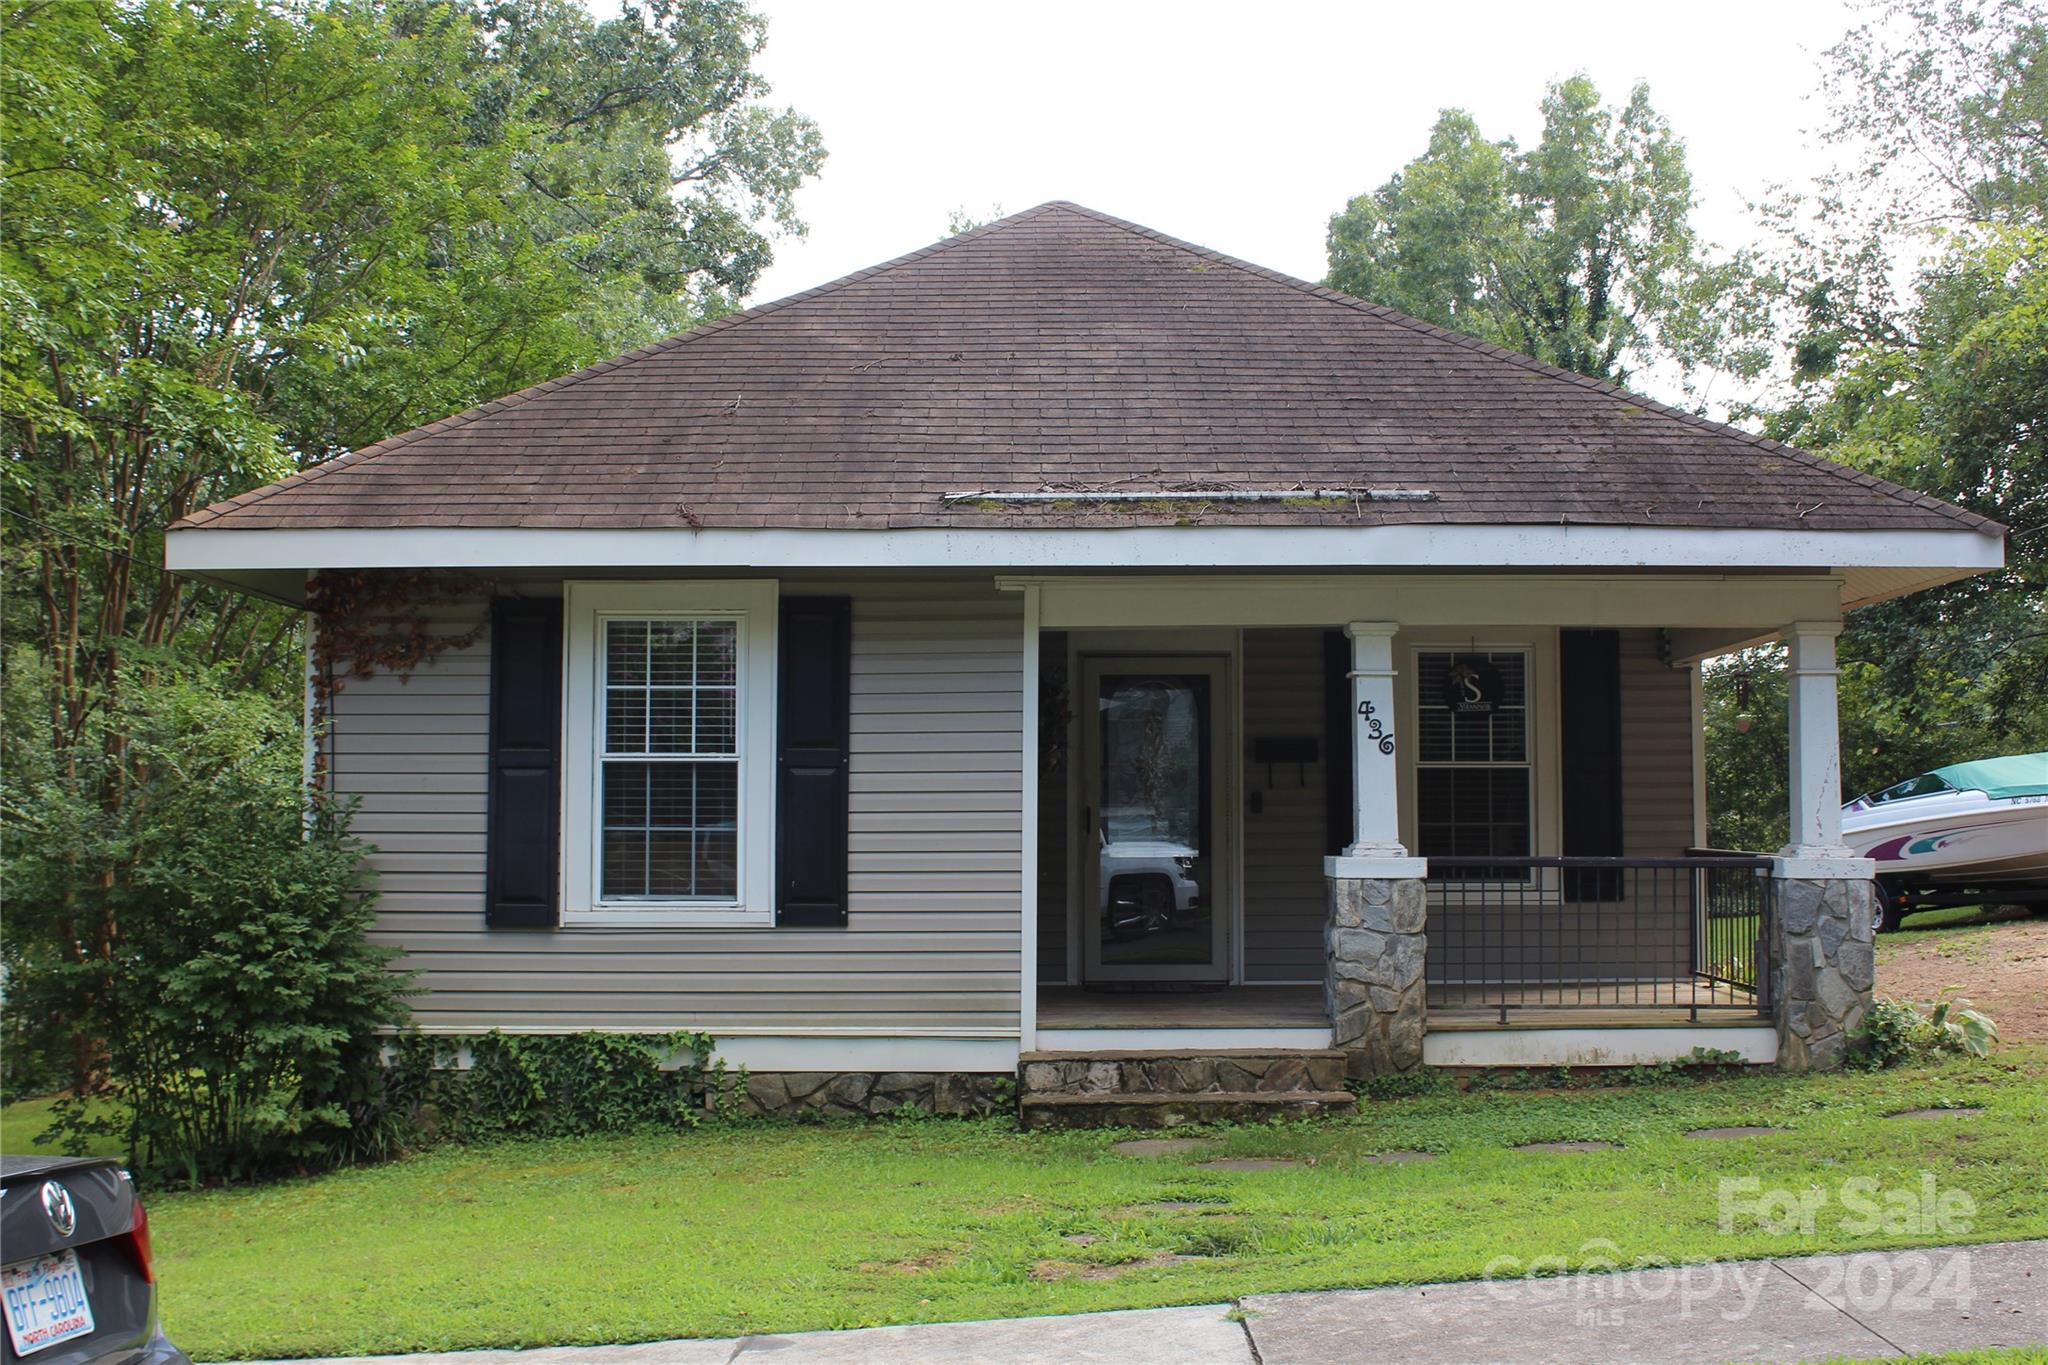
45, 1302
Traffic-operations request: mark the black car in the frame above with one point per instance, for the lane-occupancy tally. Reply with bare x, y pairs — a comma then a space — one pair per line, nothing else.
76, 1284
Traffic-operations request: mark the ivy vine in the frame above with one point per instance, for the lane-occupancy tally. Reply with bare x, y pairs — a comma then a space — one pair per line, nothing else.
369, 621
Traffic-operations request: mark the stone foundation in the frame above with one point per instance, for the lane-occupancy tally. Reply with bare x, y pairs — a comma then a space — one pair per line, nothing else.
1233, 1071
1374, 947
868, 1094
1822, 969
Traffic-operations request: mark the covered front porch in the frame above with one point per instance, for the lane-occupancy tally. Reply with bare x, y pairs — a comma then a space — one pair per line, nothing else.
1402, 836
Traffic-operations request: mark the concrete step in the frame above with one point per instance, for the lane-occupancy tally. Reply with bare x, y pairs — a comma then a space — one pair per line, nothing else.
1171, 1111
1182, 1072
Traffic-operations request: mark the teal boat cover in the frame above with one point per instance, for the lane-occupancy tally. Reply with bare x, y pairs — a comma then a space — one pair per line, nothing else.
2013, 775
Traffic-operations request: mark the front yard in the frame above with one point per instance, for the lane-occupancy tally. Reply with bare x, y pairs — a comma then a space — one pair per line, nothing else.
761, 1228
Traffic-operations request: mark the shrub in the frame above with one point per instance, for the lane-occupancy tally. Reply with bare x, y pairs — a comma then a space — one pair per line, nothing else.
1894, 1031
197, 948
1885, 1037
548, 1085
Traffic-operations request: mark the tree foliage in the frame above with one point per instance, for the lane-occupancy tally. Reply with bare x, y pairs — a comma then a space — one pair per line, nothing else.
237, 990
244, 236
1579, 250
1934, 375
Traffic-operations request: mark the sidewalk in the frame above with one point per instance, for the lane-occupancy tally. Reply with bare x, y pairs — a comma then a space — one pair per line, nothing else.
1865, 1306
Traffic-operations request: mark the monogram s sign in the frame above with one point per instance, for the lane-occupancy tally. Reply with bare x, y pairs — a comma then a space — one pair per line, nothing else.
1471, 686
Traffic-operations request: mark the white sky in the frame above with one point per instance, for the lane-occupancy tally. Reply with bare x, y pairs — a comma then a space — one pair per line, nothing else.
1244, 127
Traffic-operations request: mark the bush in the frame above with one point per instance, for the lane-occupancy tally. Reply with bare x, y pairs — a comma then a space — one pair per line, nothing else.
1885, 1037
188, 929
1895, 1031
548, 1085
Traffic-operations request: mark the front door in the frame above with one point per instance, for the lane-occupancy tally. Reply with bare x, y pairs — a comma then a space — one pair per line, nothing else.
1154, 871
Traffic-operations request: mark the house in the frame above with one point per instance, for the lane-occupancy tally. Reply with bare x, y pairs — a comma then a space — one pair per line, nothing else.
1067, 643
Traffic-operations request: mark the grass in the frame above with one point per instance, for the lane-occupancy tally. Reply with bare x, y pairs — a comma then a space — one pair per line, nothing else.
774, 1228
24, 1120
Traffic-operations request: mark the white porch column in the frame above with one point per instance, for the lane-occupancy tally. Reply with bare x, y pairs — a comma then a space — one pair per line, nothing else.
1375, 849
1816, 743
1376, 943
1822, 964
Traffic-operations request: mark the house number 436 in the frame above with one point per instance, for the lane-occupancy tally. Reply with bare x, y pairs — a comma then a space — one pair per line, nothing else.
1378, 734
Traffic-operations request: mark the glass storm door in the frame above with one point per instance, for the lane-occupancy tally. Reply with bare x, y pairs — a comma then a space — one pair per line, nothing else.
1153, 875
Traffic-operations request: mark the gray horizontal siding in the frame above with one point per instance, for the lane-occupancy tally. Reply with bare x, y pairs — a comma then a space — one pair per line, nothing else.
1656, 751
935, 863
1284, 890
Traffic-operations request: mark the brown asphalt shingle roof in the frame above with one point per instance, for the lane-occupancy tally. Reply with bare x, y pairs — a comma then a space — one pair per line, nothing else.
1065, 349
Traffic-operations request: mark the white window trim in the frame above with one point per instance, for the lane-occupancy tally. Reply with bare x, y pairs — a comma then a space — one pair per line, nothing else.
752, 603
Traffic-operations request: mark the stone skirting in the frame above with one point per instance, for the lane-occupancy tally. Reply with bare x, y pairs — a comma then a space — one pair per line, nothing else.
1374, 948
1822, 968
1183, 1073
868, 1094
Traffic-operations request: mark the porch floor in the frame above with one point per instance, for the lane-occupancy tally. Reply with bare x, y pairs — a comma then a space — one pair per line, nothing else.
1591, 1004
1630, 1004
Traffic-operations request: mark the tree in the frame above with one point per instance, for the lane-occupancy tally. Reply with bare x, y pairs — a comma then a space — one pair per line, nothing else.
245, 236
1578, 251
960, 220
1934, 375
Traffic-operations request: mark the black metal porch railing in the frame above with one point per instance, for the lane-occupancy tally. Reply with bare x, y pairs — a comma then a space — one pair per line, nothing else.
1525, 934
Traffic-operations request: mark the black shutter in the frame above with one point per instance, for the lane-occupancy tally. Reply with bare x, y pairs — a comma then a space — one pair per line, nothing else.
1589, 734
813, 733
1337, 799
524, 821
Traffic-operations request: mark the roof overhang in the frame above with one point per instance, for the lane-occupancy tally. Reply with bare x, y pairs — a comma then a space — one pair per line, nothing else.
1872, 565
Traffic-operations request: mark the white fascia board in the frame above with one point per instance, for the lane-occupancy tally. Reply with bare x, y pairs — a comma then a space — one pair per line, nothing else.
1612, 598
203, 549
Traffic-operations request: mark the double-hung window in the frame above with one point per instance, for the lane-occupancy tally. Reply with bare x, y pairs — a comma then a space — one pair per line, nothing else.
1473, 775
669, 749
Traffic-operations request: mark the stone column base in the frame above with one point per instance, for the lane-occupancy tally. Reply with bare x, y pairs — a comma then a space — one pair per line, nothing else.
1822, 968
1373, 986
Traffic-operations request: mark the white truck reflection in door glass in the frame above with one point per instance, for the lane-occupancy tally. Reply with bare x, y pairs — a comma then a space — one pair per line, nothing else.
1147, 882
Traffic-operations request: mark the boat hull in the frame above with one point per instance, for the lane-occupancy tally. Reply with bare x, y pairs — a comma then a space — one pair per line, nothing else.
1957, 839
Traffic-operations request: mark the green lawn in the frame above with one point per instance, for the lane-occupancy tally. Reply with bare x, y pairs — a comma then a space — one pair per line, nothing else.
24, 1120
763, 1227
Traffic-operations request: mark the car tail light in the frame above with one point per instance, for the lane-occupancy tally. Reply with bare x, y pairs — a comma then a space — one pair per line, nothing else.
138, 1237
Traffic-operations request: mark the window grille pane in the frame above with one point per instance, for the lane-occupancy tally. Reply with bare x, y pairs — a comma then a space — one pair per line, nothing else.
625, 864
717, 721
717, 865
670, 716
1434, 742
625, 795
670, 645
1472, 737
717, 654
669, 869
625, 652
717, 796
625, 720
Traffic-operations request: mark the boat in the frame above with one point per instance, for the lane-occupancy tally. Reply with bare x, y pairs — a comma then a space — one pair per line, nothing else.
1967, 834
